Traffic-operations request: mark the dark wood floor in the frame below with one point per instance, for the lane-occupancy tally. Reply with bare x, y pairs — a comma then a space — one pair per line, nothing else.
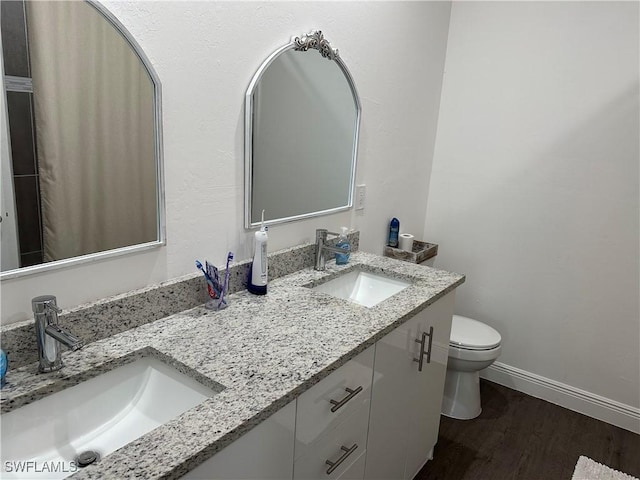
524, 438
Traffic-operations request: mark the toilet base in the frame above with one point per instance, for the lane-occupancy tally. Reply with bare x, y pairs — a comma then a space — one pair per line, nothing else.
461, 398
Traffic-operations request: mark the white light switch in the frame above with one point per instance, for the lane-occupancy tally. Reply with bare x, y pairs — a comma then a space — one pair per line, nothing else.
361, 193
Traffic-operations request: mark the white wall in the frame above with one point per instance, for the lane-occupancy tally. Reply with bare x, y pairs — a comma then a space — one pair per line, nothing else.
534, 191
205, 53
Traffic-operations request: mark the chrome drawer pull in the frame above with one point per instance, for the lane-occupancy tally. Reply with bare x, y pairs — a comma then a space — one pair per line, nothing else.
422, 341
352, 393
336, 464
430, 344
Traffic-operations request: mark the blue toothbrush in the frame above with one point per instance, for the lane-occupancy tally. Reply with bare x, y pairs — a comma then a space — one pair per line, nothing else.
201, 268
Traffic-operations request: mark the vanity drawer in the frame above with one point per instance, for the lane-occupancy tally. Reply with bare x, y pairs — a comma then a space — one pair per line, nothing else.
315, 415
345, 445
356, 470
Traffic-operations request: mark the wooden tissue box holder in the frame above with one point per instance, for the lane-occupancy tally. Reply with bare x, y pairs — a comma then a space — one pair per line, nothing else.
421, 251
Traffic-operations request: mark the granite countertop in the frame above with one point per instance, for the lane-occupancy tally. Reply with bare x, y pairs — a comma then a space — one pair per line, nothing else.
260, 353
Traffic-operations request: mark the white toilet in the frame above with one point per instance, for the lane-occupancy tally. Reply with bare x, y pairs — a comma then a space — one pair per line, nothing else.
472, 347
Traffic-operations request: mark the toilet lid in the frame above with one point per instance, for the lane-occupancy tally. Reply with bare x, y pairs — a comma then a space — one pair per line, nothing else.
473, 335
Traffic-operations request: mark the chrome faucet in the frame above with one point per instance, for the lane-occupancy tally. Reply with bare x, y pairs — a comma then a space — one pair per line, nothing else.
322, 247
49, 334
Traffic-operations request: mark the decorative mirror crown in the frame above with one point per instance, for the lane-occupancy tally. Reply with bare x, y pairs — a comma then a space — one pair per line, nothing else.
317, 41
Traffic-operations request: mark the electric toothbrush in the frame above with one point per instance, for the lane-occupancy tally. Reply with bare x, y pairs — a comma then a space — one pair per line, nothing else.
258, 274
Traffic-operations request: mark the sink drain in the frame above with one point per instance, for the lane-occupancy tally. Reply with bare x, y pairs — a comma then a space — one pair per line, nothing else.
87, 458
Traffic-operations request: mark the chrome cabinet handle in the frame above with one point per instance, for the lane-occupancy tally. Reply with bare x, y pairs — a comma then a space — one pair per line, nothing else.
430, 334
422, 342
336, 464
420, 358
352, 393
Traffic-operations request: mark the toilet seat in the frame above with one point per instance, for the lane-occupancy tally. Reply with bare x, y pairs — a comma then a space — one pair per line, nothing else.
474, 355
469, 334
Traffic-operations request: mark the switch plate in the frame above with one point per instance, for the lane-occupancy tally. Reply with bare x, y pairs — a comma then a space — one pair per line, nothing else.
361, 193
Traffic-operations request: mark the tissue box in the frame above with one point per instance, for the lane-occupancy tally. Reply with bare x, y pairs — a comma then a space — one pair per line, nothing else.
421, 251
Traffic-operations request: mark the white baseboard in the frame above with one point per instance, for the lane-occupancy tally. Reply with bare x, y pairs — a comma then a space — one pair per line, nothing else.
581, 401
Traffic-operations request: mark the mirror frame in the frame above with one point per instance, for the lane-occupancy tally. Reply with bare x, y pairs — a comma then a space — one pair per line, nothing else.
313, 40
160, 193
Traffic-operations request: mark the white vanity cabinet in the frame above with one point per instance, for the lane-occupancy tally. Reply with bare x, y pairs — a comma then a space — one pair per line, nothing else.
406, 402
332, 414
265, 452
375, 417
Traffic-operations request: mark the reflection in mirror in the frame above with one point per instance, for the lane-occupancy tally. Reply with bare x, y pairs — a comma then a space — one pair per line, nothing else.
84, 162
301, 134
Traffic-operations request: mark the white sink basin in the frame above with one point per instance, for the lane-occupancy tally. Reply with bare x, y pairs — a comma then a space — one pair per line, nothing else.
361, 287
101, 414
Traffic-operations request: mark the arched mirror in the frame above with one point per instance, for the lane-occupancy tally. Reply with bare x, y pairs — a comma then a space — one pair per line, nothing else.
302, 115
82, 167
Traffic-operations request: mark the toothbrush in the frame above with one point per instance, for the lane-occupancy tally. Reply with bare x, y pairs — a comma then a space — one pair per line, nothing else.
210, 283
201, 268
226, 280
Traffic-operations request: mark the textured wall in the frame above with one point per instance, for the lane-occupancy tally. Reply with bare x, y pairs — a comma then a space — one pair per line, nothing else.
534, 192
205, 53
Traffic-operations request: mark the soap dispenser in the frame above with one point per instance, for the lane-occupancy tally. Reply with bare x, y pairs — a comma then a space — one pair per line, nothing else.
3, 367
343, 242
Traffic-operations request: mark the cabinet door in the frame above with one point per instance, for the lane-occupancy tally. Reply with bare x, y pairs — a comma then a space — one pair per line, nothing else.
389, 418
405, 402
266, 452
427, 386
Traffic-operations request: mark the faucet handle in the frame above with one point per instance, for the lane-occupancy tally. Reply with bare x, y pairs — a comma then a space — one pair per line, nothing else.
46, 305
321, 233
43, 303
53, 308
